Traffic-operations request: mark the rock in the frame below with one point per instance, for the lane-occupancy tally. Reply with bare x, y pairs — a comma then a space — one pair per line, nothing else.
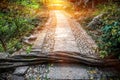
15, 77
25, 38
27, 42
36, 50
96, 21
21, 70
32, 38
3, 55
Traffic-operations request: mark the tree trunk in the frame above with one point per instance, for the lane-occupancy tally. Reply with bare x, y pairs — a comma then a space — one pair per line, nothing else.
93, 4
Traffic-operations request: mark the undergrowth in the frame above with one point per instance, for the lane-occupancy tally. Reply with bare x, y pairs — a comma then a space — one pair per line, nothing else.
108, 32
17, 19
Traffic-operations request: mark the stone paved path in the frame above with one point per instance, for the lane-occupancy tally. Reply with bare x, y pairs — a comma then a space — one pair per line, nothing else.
64, 38
65, 34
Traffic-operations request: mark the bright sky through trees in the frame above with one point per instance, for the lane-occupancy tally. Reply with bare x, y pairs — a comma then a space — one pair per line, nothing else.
57, 4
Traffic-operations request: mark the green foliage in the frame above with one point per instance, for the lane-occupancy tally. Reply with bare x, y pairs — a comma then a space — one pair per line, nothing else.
103, 54
107, 7
15, 22
13, 28
27, 3
1, 48
28, 50
109, 40
107, 33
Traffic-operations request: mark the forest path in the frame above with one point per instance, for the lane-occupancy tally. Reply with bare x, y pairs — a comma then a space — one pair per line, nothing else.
62, 33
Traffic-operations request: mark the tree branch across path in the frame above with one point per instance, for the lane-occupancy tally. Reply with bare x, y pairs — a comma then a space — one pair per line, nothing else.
55, 57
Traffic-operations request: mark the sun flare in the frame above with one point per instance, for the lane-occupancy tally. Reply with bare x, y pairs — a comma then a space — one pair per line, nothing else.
56, 1
57, 4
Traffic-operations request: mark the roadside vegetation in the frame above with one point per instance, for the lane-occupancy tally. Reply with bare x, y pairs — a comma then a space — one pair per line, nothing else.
18, 18
109, 30
103, 24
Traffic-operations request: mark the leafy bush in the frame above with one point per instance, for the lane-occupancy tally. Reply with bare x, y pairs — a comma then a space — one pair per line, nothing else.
106, 7
106, 34
13, 27
15, 22
109, 40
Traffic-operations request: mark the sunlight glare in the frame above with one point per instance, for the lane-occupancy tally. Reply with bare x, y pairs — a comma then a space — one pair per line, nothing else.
57, 4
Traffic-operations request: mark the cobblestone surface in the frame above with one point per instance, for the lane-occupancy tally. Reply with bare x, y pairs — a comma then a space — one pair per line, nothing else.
86, 44
49, 41
37, 72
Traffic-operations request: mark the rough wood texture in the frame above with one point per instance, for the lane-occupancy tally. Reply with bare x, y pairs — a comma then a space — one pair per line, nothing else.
58, 57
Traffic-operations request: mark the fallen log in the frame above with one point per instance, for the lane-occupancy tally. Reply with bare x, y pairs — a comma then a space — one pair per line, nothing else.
56, 57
